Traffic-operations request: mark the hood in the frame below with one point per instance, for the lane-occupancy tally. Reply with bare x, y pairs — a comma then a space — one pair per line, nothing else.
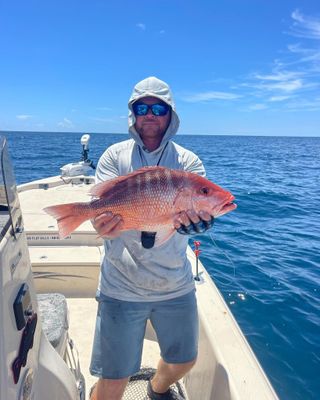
154, 87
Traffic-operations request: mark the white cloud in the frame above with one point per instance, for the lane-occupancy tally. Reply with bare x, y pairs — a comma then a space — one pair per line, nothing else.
278, 87
279, 98
296, 48
65, 123
208, 96
305, 26
292, 81
279, 80
284, 86
308, 57
103, 120
277, 75
23, 117
257, 107
141, 26
294, 78
304, 104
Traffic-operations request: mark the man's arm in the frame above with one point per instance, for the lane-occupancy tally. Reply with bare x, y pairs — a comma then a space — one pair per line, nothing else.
107, 167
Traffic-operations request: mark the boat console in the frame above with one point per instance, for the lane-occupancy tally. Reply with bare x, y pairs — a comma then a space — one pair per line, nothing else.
82, 167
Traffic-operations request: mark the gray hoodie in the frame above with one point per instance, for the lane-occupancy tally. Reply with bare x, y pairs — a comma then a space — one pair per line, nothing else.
128, 271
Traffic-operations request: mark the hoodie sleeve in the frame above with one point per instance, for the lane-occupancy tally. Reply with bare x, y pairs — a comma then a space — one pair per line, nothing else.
192, 163
196, 167
107, 167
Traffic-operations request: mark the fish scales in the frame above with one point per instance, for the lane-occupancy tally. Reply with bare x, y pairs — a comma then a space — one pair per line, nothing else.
148, 196
160, 189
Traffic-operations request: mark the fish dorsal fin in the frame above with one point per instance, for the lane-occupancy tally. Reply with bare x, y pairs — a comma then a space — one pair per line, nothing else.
103, 188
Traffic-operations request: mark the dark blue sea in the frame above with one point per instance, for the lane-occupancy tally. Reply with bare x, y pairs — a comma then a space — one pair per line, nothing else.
265, 256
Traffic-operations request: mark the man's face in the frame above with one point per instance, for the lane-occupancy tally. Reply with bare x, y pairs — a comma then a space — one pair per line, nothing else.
151, 126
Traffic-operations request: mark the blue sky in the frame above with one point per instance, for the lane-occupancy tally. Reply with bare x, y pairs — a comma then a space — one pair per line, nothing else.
235, 67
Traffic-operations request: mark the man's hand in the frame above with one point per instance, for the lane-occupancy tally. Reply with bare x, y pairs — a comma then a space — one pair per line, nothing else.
191, 223
108, 225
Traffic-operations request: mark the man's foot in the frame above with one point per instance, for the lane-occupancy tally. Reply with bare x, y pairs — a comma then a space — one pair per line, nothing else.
170, 394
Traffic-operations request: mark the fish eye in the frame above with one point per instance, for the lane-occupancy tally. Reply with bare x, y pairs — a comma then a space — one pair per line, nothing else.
204, 190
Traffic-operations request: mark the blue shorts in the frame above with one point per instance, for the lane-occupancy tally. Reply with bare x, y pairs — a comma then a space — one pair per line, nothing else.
120, 329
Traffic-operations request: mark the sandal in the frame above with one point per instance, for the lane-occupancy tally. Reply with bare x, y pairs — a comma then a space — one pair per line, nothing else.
170, 394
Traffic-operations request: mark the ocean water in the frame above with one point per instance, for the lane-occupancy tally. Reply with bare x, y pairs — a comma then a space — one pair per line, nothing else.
264, 257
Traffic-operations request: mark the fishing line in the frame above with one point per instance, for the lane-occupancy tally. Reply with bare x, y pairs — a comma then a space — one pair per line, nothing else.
227, 257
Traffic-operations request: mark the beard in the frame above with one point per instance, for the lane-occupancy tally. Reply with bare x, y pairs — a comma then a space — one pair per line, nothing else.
151, 130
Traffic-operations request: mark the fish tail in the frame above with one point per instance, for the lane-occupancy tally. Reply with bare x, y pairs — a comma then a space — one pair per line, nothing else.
69, 216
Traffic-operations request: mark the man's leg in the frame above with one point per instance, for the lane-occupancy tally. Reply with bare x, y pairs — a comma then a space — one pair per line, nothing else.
167, 374
117, 346
177, 327
109, 389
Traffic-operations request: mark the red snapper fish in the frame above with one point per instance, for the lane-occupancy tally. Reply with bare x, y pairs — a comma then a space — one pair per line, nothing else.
147, 199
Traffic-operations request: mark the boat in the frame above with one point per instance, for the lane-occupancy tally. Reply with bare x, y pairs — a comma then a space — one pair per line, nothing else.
48, 306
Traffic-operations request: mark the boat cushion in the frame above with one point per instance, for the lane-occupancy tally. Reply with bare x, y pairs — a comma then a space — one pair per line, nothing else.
54, 316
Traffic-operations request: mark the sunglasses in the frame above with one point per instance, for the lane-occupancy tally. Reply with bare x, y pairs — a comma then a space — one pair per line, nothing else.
159, 109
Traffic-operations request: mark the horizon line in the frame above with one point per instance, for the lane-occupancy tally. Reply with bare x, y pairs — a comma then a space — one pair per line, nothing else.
182, 134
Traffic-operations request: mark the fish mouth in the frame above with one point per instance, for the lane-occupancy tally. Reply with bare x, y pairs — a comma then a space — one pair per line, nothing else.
227, 206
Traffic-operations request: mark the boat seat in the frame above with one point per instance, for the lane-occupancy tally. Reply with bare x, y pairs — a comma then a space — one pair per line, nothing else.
54, 317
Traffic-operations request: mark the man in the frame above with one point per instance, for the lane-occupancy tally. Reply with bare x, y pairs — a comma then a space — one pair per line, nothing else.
138, 281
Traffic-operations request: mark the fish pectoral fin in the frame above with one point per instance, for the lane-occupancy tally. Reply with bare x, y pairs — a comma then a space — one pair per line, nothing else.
163, 236
183, 199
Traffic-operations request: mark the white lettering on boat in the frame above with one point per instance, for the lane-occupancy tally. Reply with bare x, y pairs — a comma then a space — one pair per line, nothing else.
45, 237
